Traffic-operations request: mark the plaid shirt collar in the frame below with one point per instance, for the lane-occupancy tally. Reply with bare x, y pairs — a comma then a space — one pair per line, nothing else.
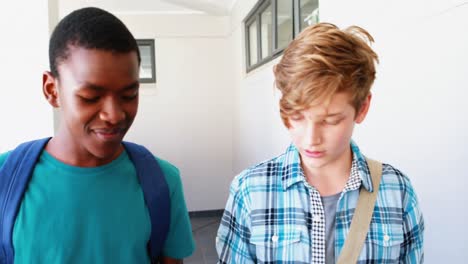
292, 173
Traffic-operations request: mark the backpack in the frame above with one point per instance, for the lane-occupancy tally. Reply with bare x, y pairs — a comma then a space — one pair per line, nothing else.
19, 166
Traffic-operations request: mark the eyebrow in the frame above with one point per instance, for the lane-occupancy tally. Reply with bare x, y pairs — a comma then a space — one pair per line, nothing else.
99, 88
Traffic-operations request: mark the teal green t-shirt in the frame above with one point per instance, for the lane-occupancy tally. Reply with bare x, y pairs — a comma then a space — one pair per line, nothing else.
94, 215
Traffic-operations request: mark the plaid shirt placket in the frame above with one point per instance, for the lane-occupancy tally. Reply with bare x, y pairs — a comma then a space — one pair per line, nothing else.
318, 213
318, 225
354, 181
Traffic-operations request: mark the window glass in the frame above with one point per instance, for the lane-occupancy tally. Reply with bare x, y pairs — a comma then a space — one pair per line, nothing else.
253, 43
309, 13
284, 22
266, 31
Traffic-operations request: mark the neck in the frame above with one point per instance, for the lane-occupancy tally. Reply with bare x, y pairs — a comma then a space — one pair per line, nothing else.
331, 178
64, 149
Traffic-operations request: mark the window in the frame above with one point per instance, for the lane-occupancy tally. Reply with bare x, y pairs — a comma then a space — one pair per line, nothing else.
266, 30
272, 24
284, 23
148, 65
253, 49
308, 10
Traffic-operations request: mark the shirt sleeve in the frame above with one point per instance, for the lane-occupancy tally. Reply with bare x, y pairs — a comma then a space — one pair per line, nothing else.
413, 230
179, 243
232, 240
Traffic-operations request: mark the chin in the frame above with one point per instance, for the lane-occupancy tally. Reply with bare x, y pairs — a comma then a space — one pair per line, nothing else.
107, 151
315, 164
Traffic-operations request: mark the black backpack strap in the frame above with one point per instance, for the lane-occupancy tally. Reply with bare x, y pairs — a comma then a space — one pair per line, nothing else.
14, 177
156, 193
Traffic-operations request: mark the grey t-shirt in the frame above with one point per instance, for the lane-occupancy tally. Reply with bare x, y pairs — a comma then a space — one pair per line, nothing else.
329, 206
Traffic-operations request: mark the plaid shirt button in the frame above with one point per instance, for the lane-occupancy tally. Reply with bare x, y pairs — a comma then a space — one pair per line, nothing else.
274, 238
317, 218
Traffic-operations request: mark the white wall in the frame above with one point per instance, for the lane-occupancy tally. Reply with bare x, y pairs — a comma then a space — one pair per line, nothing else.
25, 114
258, 131
418, 119
186, 117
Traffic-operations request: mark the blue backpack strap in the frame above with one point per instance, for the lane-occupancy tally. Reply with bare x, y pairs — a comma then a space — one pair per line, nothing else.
14, 177
156, 193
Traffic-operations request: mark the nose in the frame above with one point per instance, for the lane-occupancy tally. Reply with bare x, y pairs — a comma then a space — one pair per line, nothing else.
313, 134
112, 111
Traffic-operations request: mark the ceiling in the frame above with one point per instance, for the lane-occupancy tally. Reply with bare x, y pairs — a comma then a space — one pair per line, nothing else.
214, 7
211, 7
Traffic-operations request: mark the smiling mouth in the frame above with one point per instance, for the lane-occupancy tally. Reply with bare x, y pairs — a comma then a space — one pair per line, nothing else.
115, 134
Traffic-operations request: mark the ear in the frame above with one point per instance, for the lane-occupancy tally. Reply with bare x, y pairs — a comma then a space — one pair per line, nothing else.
361, 115
50, 89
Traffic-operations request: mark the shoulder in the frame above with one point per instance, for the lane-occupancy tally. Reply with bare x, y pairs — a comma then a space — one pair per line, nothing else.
395, 182
260, 178
3, 157
25, 146
261, 172
171, 174
168, 168
392, 175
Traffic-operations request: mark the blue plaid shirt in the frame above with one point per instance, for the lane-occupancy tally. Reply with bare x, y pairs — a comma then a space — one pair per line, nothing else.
274, 216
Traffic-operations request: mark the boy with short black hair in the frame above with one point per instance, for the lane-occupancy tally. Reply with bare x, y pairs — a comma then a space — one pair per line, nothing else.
299, 206
84, 202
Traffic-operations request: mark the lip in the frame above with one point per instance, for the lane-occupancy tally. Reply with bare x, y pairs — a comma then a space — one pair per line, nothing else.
314, 154
114, 134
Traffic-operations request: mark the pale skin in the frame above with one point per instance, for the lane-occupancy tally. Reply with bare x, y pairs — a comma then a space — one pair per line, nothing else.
322, 135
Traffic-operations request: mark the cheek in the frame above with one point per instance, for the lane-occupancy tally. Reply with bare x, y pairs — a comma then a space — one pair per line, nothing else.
296, 133
342, 135
81, 113
131, 110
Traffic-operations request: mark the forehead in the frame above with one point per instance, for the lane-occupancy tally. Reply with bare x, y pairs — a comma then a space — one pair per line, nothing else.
89, 64
338, 103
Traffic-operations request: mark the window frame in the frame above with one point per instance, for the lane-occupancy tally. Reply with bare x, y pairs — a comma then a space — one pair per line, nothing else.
247, 24
254, 16
150, 43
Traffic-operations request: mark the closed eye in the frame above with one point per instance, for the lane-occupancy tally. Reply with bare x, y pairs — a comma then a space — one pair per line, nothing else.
296, 117
332, 122
89, 99
130, 97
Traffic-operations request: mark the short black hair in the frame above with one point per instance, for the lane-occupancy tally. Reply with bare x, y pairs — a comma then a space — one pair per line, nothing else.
90, 28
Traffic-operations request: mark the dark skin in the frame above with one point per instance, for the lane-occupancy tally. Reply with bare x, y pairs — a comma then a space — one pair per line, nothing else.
96, 94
